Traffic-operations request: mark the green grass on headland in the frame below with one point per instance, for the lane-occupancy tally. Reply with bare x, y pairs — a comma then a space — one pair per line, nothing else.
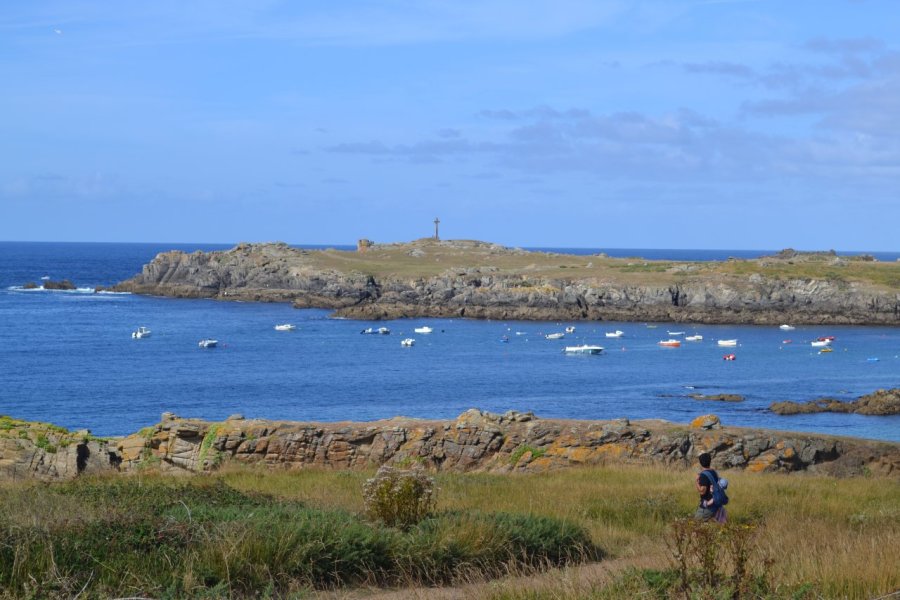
245, 532
432, 259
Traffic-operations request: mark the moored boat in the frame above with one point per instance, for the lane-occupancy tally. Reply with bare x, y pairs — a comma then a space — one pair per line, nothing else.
383, 331
141, 332
787, 327
583, 349
729, 343
729, 357
208, 343
407, 342
425, 329
820, 343
615, 334
675, 332
285, 327
554, 336
669, 343
570, 329
694, 338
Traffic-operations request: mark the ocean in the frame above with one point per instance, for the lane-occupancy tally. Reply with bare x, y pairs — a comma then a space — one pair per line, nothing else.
68, 357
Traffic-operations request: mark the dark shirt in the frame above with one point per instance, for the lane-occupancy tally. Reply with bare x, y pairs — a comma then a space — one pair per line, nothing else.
707, 483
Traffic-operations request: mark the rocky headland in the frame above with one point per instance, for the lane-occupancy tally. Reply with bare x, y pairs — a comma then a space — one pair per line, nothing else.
429, 278
475, 441
880, 402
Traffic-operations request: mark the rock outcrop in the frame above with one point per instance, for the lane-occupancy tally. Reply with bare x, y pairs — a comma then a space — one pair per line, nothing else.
475, 441
880, 402
419, 280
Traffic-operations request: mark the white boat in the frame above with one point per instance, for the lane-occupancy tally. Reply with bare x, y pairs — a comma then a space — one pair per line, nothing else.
425, 329
141, 332
820, 343
554, 336
520, 333
694, 338
367, 331
407, 342
670, 343
384, 331
208, 343
729, 343
615, 334
285, 327
675, 332
787, 327
583, 349
570, 329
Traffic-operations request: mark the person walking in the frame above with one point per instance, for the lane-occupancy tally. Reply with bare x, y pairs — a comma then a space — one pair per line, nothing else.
712, 496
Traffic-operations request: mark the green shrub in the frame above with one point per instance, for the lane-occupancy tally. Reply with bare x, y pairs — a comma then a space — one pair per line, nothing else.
399, 498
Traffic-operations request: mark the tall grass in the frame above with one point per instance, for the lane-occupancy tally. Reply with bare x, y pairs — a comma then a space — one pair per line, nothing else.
244, 531
837, 535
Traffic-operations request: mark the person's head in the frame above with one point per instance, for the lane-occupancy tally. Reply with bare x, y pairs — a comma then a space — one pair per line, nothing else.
705, 460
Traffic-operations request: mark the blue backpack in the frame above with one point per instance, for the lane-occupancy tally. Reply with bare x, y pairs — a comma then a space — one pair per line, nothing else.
720, 498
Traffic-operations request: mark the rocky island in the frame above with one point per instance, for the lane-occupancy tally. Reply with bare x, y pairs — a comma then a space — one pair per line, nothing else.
431, 278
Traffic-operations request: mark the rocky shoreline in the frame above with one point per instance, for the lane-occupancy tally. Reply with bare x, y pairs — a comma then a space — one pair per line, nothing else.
475, 441
485, 281
880, 403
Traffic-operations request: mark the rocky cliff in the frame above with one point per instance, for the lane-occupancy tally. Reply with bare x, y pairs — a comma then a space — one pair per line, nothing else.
475, 441
486, 281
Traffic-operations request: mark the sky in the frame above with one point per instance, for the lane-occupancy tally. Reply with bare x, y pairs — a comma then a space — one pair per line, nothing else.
554, 123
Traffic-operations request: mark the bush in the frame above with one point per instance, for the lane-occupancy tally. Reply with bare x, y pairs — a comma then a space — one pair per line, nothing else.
399, 498
717, 561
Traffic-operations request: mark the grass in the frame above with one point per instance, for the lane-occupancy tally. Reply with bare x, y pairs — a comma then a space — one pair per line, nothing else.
243, 531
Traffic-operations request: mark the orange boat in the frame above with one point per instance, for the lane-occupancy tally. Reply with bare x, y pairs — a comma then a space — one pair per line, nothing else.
670, 343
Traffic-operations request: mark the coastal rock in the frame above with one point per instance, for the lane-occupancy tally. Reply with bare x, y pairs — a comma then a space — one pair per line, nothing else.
718, 397
475, 441
387, 281
65, 284
880, 402
706, 422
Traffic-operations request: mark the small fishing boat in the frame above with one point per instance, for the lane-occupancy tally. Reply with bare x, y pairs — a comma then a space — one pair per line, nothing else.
820, 343
694, 338
825, 338
675, 332
826, 349
504, 339
367, 331
787, 341
584, 349
570, 329
615, 334
729, 343
285, 327
141, 332
872, 359
787, 327
520, 333
729, 357
554, 336
425, 329
383, 331
208, 343
669, 343
407, 342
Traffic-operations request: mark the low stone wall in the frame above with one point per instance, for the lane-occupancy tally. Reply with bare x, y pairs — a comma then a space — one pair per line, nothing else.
475, 441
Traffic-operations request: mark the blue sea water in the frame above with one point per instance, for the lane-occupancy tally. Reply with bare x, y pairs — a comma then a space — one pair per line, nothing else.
68, 358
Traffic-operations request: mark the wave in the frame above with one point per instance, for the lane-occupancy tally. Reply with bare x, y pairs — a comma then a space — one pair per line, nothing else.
79, 290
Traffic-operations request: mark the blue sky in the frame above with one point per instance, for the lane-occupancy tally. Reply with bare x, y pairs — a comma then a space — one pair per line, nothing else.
669, 124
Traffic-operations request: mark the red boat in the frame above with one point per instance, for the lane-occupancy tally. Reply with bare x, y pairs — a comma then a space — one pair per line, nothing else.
729, 357
787, 341
827, 338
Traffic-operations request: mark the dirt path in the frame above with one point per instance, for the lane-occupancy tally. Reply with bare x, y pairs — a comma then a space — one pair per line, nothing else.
559, 583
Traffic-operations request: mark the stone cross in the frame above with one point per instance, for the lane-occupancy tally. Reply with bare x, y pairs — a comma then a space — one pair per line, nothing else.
436, 223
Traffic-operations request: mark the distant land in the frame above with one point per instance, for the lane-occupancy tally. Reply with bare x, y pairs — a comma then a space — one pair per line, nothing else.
474, 279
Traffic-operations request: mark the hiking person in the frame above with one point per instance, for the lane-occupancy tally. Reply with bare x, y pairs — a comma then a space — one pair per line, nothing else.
712, 494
